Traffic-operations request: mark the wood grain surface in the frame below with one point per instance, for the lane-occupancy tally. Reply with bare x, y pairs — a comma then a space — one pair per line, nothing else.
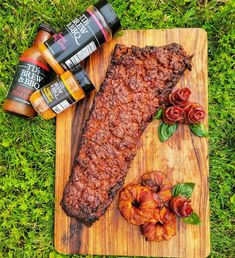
184, 158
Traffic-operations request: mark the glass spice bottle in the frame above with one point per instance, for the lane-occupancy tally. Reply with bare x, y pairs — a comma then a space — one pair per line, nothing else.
32, 73
81, 37
66, 90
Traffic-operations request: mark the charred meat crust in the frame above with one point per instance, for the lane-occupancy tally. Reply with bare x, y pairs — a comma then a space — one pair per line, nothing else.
136, 79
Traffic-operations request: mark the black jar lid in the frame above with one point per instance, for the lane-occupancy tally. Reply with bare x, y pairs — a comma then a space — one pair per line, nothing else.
83, 79
109, 15
46, 27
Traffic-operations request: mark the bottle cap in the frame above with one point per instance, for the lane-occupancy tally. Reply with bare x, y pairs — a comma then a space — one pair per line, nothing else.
109, 15
46, 27
83, 79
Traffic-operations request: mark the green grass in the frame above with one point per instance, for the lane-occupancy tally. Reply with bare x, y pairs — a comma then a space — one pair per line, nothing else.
27, 148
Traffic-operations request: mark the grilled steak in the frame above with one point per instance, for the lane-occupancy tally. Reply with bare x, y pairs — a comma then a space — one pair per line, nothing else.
136, 80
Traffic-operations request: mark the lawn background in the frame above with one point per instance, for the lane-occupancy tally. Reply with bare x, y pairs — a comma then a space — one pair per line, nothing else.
27, 148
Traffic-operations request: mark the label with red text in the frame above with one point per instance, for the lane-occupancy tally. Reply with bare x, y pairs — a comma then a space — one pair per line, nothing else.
30, 76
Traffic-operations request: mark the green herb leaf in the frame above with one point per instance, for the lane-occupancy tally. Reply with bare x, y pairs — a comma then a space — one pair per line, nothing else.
165, 131
193, 219
158, 114
184, 189
199, 130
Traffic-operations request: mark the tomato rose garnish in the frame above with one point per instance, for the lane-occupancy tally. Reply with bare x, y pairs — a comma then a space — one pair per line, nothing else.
194, 113
181, 206
180, 97
172, 115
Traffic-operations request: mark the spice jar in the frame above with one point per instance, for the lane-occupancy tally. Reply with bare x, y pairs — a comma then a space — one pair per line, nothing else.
32, 73
62, 93
81, 37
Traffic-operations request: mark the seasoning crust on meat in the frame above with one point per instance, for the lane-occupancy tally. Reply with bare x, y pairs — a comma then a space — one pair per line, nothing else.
136, 80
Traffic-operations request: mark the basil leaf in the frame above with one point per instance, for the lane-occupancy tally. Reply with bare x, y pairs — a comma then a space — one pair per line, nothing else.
158, 114
184, 189
199, 130
193, 219
165, 131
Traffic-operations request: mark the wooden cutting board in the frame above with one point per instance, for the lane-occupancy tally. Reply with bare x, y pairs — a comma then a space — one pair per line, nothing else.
184, 158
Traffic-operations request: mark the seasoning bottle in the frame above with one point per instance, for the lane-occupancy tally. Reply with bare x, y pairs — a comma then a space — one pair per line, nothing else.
81, 37
60, 94
32, 73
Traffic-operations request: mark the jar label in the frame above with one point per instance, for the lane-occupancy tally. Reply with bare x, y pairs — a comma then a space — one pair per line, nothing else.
30, 76
80, 39
57, 96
